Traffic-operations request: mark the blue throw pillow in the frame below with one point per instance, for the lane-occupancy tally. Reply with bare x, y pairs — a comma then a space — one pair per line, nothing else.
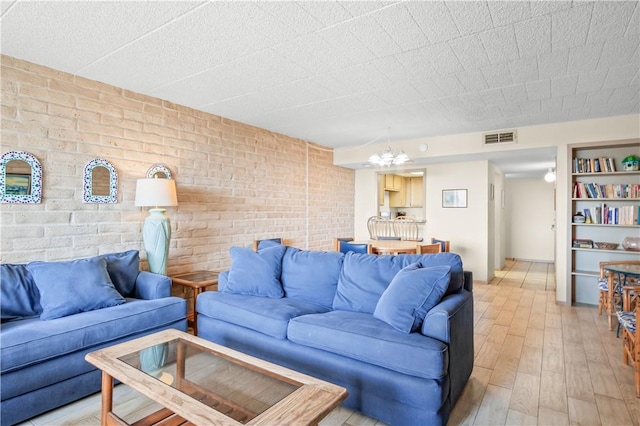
19, 296
413, 292
363, 279
72, 287
123, 269
311, 276
256, 273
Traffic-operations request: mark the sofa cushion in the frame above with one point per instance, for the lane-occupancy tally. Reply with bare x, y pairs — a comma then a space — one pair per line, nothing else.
266, 315
123, 269
311, 276
256, 273
364, 277
362, 337
454, 260
412, 293
71, 287
31, 342
19, 296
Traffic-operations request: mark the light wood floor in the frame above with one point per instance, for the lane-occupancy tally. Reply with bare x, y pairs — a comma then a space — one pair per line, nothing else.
536, 362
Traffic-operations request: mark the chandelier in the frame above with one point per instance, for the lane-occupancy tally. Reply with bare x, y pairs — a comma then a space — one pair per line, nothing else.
389, 157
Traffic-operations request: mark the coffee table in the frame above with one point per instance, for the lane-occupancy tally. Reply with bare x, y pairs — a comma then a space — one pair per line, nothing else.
202, 383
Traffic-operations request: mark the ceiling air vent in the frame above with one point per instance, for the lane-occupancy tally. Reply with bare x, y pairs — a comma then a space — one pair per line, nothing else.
501, 137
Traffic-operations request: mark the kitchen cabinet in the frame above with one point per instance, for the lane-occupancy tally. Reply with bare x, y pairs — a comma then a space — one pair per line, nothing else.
398, 198
416, 191
393, 182
410, 193
609, 198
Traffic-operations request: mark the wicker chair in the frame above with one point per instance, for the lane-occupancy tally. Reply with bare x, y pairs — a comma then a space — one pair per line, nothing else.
611, 302
631, 339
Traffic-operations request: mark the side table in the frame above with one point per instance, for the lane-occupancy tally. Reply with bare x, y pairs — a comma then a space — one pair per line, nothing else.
198, 281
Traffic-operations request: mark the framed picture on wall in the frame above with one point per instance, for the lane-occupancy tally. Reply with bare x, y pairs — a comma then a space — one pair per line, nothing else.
454, 198
17, 183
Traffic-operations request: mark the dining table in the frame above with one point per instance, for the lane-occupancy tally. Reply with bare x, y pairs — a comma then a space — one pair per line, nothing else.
625, 273
392, 246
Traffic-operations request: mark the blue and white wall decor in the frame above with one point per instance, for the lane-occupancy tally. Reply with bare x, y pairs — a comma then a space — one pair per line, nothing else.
158, 169
20, 188
88, 195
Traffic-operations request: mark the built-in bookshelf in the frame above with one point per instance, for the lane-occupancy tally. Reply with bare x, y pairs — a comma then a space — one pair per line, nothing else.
605, 205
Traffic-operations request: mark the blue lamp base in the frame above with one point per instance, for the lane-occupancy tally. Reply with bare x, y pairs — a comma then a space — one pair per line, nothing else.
156, 233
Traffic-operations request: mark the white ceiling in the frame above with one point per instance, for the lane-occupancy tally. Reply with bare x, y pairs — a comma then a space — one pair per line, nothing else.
341, 73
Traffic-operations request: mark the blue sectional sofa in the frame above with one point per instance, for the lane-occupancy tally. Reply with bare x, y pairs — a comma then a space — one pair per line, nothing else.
54, 313
396, 331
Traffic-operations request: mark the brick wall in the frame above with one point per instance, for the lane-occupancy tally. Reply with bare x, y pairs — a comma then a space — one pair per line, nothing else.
235, 182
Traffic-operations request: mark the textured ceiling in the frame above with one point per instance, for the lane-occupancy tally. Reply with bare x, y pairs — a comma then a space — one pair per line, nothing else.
343, 73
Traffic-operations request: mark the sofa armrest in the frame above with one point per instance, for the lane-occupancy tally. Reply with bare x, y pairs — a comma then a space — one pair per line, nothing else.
445, 319
468, 280
451, 322
152, 286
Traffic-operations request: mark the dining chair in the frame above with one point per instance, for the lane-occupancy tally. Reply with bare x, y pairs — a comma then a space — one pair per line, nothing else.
603, 290
612, 302
371, 226
406, 229
429, 248
381, 229
337, 240
345, 247
444, 243
631, 339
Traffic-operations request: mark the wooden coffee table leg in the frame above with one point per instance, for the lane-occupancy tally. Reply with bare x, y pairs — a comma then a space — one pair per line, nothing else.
107, 398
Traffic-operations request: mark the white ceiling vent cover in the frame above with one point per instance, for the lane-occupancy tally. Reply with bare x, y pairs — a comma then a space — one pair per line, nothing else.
500, 137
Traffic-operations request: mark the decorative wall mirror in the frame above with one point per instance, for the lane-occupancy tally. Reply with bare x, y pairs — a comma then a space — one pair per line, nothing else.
100, 182
159, 171
20, 178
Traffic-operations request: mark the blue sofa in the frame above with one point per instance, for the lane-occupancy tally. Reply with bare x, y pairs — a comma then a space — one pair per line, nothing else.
395, 331
54, 313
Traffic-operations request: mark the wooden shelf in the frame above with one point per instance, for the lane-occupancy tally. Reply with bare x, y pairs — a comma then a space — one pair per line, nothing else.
584, 267
621, 173
605, 199
605, 224
617, 251
586, 273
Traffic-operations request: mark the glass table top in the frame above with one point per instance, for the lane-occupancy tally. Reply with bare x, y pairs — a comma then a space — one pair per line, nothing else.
229, 386
631, 270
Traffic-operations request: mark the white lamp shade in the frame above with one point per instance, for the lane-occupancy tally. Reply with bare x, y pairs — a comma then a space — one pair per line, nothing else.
156, 192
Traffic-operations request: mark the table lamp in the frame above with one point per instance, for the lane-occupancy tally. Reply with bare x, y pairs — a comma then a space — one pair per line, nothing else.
156, 231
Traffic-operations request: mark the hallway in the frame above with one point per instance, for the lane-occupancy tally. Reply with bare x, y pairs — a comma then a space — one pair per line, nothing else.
527, 275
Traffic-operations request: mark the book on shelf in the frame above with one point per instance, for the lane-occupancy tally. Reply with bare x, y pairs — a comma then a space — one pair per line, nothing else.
594, 165
607, 215
610, 190
581, 243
